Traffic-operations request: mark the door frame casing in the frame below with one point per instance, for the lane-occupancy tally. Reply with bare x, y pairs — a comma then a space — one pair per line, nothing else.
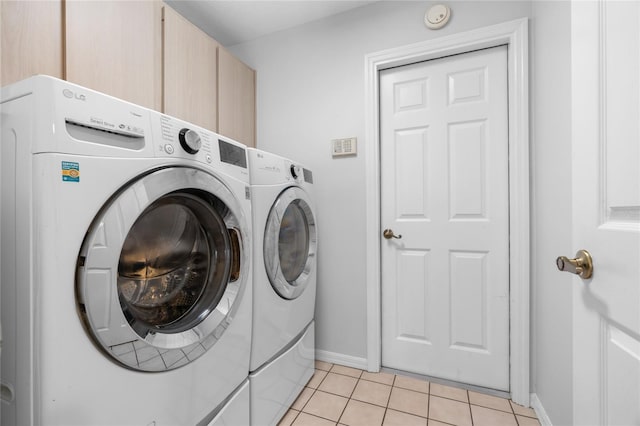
514, 34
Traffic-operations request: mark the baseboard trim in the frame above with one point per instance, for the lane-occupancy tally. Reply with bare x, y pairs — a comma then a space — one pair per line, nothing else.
341, 359
543, 418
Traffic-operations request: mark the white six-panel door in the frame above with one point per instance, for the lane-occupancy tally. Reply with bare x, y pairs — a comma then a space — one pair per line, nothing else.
606, 211
444, 190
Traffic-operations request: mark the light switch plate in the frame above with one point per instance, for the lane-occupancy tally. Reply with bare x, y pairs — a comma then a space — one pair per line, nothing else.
347, 146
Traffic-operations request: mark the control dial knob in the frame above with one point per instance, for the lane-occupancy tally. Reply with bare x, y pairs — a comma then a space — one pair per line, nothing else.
295, 171
190, 140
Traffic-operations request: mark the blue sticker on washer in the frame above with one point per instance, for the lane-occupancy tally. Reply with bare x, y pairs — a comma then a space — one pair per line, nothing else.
70, 171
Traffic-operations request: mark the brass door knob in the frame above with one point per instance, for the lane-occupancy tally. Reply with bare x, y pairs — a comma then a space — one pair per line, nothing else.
388, 234
581, 265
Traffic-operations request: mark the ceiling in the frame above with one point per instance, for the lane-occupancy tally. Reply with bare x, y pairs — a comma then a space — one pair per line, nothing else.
232, 22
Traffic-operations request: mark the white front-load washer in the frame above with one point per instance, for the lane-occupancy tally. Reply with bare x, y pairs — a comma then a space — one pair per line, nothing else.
284, 252
126, 268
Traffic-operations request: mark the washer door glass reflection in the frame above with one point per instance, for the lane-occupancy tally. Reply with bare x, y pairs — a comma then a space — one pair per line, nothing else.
293, 242
174, 265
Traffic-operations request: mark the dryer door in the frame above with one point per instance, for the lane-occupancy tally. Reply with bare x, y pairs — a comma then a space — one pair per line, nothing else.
290, 243
163, 269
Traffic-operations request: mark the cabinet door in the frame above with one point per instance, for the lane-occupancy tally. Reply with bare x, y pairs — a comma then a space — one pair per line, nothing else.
236, 99
115, 47
31, 39
190, 69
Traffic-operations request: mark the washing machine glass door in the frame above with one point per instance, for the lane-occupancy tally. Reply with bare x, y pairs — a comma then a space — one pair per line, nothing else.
163, 269
174, 264
290, 243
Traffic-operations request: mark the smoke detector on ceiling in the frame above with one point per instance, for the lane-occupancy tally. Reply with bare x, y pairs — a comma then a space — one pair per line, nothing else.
437, 16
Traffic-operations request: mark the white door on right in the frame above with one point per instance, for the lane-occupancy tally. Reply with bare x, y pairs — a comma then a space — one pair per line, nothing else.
606, 211
445, 193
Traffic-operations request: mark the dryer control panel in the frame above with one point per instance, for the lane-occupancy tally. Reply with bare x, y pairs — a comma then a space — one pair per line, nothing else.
271, 169
299, 173
295, 171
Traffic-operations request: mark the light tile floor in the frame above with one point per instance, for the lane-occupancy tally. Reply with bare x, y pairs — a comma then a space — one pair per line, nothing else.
338, 395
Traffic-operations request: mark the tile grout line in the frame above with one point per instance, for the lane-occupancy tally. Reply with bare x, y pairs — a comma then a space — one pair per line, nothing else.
488, 408
513, 413
330, 393
343, 410
313, 392
305, 404
349, 398
393, 385
294, 418
386, 406
429, 402
318, 417
469, 405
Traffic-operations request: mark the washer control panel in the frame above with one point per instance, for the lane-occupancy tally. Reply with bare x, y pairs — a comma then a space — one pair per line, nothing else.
180, 139
190, 140
176, 139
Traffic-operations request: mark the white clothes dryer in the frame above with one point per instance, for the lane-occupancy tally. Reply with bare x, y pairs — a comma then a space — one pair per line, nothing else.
284, 251
126, 268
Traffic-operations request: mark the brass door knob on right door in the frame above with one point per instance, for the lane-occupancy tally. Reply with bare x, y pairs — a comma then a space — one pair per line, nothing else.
581, 265
388, 234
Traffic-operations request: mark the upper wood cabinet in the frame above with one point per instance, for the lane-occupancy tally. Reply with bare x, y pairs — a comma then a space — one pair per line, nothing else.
31, 39
140, 51
190, 72
115, 47
236, 99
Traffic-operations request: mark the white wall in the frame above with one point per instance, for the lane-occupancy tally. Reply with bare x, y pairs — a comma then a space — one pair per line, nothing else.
551, 214
311, 90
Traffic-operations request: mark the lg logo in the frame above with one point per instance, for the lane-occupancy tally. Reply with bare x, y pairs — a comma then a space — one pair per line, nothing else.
69, 94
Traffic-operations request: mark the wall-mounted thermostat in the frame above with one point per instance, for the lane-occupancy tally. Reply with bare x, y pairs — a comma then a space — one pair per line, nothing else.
340, 147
